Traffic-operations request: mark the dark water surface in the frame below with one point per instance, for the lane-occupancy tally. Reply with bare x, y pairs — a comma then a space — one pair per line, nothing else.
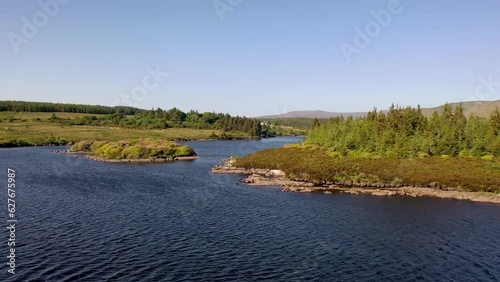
81, 220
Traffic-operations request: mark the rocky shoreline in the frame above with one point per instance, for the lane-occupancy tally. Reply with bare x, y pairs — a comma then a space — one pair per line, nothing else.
266, 177
149, 160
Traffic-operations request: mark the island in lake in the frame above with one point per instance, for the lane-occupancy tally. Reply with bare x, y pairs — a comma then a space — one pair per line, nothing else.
134, 150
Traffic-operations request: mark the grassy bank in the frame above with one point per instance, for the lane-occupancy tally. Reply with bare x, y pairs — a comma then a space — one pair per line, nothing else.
133, 149
316, 165
30, 129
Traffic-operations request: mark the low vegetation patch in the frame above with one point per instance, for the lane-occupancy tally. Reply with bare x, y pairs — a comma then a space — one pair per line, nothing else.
220, 125
30, 133
318, 165
133, 149
19, 129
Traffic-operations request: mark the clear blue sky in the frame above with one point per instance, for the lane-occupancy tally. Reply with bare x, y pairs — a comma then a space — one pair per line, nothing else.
262, 57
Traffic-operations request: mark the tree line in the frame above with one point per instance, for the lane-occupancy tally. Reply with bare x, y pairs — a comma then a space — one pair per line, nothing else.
173, 118
406, 132
296, 122
23, 106
158, 118
138, 118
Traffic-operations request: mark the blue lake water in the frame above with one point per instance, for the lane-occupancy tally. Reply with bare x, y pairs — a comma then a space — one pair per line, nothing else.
81, 220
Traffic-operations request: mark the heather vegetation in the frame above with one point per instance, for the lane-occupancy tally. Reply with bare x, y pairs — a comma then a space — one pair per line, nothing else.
133, 149
400, 147
318, 165
406, 132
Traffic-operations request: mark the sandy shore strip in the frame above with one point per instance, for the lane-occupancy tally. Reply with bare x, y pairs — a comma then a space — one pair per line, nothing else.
266, 177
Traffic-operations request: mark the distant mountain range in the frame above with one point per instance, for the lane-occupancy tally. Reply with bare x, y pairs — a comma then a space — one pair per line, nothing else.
312, 114
479, 108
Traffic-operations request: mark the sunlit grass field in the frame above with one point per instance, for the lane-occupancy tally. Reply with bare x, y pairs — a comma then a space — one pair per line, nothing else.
24, 130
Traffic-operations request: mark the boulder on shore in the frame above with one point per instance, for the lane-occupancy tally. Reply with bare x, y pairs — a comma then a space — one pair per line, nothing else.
277, 173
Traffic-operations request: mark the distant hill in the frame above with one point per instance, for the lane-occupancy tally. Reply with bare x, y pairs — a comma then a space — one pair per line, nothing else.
479, 108
312, 114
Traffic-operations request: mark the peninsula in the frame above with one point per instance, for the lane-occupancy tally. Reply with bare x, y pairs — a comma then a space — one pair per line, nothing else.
401, 152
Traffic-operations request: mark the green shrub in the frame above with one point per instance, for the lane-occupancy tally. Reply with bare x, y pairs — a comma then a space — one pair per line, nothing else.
167, 153
422, 155
465, 153
97, 144
109, 151
183, 151
358, 154
133, 149
487, 158
82, 146
134, 152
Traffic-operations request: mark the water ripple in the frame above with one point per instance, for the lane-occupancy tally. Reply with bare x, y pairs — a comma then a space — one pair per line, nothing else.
175, 222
